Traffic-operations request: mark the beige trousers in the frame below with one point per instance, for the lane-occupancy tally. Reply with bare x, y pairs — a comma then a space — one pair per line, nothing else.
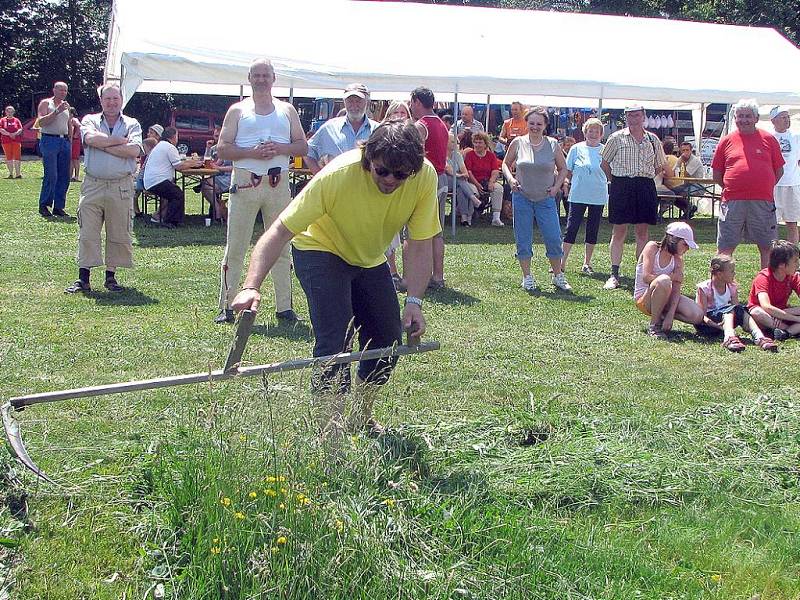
106, 202
243, 207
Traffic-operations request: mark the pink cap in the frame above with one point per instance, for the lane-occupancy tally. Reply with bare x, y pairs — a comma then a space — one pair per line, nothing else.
683, 231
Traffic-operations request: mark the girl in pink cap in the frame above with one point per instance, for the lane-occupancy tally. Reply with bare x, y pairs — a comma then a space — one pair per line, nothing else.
659, 275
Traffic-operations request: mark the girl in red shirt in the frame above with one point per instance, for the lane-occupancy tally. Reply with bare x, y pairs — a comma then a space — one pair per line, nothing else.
11, 139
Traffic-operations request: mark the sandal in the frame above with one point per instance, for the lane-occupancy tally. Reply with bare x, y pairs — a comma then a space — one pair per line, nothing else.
78, 286
112, 286
767, 344
734, 344
655, 331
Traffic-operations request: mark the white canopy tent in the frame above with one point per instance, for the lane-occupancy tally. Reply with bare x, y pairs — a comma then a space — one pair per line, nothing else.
316, 46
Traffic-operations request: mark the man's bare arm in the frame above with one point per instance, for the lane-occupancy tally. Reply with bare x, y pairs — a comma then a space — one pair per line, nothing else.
45, 116
718, 175
127, 151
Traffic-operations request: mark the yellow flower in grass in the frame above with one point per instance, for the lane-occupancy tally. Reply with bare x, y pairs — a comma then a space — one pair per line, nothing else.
281, 506
275, 549
270, 492
225, 501
389, 502
215, 550
281, 478
339, 524
284, 491
239, 515
281, 540
271, 479
215, 541
253, 495
716, 578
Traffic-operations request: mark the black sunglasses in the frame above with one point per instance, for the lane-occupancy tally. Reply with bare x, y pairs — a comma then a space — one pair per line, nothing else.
384, 172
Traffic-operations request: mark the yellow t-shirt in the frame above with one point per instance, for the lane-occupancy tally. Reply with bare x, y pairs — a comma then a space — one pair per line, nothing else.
669, 169
342, 211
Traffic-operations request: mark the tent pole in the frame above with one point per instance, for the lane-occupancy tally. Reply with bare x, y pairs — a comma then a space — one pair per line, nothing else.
291, 94
241, 93
488, 110
455, 182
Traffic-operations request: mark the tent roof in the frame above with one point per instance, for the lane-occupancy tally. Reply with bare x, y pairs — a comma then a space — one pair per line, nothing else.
316, 45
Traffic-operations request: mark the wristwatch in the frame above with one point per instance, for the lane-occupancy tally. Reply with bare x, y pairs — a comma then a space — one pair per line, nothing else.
414, 300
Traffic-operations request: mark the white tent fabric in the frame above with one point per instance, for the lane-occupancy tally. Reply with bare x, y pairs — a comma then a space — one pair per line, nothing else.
200, 46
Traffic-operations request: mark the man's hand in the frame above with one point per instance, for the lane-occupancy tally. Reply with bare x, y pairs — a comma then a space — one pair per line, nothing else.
267, 150
248, 298
413, 321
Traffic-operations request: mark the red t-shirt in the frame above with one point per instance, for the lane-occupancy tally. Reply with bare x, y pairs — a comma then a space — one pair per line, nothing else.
11, 125
481, 167
778, 291
436, 143
749, 163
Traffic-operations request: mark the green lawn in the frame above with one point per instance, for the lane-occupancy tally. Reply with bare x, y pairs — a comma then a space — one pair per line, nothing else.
550, 449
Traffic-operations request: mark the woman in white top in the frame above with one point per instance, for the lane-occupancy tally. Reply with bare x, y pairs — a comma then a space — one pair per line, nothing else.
659, 275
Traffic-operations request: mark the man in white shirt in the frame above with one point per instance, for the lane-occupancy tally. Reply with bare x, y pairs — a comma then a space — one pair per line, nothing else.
787, 190
159, 178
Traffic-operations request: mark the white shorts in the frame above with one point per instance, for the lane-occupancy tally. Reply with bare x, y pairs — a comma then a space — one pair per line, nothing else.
787, 203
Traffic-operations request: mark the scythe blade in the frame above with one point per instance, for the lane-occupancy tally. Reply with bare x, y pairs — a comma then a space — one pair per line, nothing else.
16, 445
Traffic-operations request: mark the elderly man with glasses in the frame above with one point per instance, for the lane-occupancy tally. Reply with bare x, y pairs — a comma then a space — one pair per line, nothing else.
340, 226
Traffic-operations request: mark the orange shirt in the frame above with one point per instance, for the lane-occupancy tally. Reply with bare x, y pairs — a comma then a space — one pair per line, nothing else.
514, 128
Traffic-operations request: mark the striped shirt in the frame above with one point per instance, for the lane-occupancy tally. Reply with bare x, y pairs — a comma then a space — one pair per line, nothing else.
629, 158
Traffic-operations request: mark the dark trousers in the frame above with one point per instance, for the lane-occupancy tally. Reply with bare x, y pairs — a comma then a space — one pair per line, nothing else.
575, 218
344, 301
55, 160
174, 197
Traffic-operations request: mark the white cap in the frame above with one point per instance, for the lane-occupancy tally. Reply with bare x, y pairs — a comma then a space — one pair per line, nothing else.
684, 231
634, 108
777, 110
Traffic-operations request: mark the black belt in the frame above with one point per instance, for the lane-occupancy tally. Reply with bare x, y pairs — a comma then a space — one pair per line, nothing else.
55, 135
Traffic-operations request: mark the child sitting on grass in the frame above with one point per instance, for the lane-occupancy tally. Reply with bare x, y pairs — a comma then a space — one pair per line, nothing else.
659, 274
718, 298
769, 297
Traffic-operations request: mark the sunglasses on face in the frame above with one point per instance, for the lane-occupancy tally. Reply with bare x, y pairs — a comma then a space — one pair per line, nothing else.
384, 172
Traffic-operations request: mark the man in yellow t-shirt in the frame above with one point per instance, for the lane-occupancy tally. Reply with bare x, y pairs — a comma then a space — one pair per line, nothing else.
340, 225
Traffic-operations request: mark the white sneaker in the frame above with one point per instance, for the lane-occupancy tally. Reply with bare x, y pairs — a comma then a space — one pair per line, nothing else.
560, 281
587, 270
528, 283
611, 283
497, 223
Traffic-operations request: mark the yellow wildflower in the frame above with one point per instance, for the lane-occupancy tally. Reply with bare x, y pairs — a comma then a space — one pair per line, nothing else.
242, 438
284, 491
225, 501
281, 540
281, 505
238, 515
271, 493
215, 541
253, 495
271, 479
275, 549
339, 525
281, 478
215, 549
389, 502
716, 578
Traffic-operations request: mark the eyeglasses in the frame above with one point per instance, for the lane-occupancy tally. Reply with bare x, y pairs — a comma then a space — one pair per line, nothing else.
384, 172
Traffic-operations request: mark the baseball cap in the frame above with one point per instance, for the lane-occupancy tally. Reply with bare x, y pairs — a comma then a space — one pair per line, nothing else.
683, 231
356, 89
158, 129
633, 108
777, 110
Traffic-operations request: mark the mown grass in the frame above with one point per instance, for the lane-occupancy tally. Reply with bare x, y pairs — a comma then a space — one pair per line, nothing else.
549, 450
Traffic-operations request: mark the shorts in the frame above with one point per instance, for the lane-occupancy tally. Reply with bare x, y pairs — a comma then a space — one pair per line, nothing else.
717, 315
75, 149
787, 203
640, 304
752, 219
632, 200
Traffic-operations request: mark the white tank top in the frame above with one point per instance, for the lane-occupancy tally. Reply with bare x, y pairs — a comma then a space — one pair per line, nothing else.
722, 299
254, 128
60, 123
639, 286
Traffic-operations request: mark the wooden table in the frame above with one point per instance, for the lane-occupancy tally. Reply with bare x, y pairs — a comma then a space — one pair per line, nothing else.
197, 177
708, 186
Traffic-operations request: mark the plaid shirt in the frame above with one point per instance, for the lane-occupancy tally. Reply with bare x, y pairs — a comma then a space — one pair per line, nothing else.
629, 158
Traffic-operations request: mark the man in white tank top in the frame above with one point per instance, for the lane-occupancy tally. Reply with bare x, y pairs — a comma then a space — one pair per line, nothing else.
55, 147
258, 135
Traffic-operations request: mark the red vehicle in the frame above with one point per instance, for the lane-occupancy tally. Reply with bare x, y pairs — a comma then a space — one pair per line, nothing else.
30, 136
195, 127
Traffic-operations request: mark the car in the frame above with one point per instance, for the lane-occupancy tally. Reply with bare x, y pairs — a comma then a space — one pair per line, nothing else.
30, 136
195, 128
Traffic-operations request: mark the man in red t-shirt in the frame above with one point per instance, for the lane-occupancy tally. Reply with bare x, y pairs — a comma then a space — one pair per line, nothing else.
436, 135
769, 296
747, 163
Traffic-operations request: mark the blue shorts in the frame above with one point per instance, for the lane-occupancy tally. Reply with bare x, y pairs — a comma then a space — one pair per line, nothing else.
717, 314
